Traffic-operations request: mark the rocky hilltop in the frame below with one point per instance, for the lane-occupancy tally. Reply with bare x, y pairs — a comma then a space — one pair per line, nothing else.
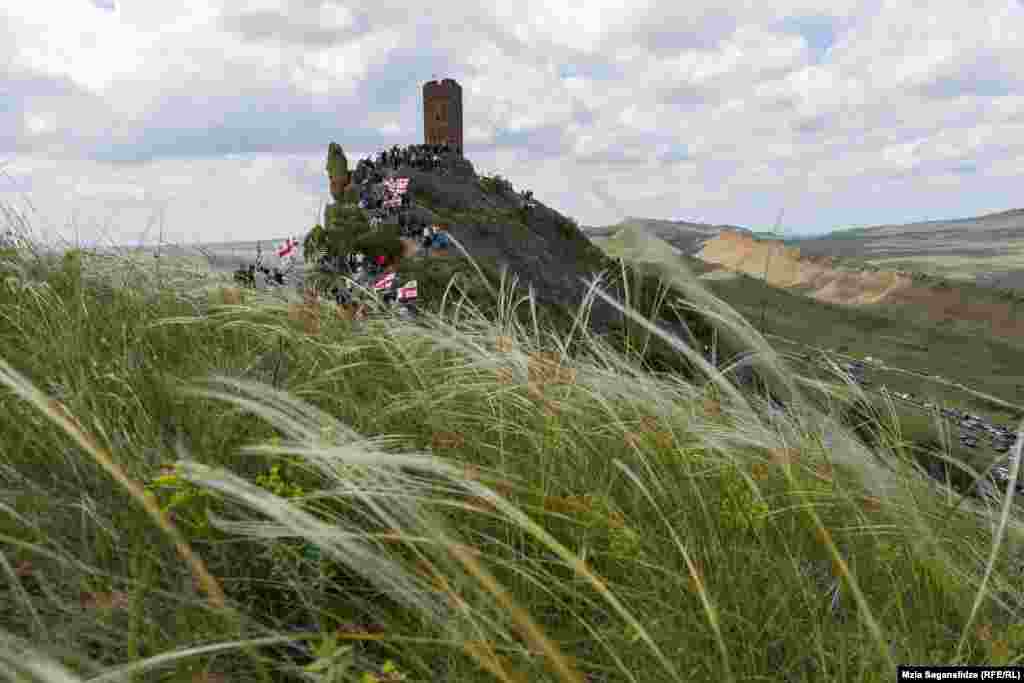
501, 228
544, 248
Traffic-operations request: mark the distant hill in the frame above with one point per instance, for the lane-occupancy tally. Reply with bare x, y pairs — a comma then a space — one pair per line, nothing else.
967, 334
840, 281
684, 236
984, 250
833, 268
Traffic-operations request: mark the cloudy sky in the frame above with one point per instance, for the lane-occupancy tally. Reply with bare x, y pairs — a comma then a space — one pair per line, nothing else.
213, 118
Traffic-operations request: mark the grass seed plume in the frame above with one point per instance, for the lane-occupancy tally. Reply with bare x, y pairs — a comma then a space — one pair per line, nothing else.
474, 495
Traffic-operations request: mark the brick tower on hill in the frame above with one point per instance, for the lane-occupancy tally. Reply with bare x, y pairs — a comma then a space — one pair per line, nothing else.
442, 113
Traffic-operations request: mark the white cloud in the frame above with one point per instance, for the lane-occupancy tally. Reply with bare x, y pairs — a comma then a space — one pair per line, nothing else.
39, 124
220, 113
78, 40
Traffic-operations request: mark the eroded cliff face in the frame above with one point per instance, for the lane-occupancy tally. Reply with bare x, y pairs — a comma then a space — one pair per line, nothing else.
822, 279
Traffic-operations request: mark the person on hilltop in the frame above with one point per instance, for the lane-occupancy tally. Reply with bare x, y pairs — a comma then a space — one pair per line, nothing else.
428, 239
441, 240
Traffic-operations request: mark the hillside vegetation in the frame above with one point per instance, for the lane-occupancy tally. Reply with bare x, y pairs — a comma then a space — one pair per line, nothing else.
938, 363
916, 296
977, 254
201, 482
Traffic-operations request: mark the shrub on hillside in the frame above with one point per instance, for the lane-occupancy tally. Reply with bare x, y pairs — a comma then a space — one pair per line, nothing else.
496, 184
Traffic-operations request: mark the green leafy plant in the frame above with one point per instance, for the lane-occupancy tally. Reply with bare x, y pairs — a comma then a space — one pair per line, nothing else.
278, 485
739, 506
334, 662
487, 184
186, 503
290, 556
314, 243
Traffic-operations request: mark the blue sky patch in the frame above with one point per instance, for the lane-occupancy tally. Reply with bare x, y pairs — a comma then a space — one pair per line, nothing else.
819, 32
591, 69
675, 154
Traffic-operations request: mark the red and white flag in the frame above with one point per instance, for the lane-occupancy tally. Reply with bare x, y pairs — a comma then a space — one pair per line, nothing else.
287, 249
407, 291
397, 185
385, 281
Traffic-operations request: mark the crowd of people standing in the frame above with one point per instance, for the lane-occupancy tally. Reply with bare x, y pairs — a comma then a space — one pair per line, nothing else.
384, 199
419, 157
383, 204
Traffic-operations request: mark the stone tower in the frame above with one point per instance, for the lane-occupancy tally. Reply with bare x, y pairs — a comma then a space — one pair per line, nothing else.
442, 113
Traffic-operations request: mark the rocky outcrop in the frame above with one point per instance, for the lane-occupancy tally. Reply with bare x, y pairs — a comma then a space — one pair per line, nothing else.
337, 171
346, 227
495, 224
544, 248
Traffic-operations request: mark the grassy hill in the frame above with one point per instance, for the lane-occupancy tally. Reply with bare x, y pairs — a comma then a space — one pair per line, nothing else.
200, 482
987, 251
984, 250
936, 356
680, 235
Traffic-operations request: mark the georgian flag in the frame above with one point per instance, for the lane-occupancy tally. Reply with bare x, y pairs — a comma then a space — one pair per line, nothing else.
385, 282
407, 291
397, 185
287, 249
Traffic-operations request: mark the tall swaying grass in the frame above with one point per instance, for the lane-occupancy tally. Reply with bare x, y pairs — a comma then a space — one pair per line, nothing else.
195, 490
